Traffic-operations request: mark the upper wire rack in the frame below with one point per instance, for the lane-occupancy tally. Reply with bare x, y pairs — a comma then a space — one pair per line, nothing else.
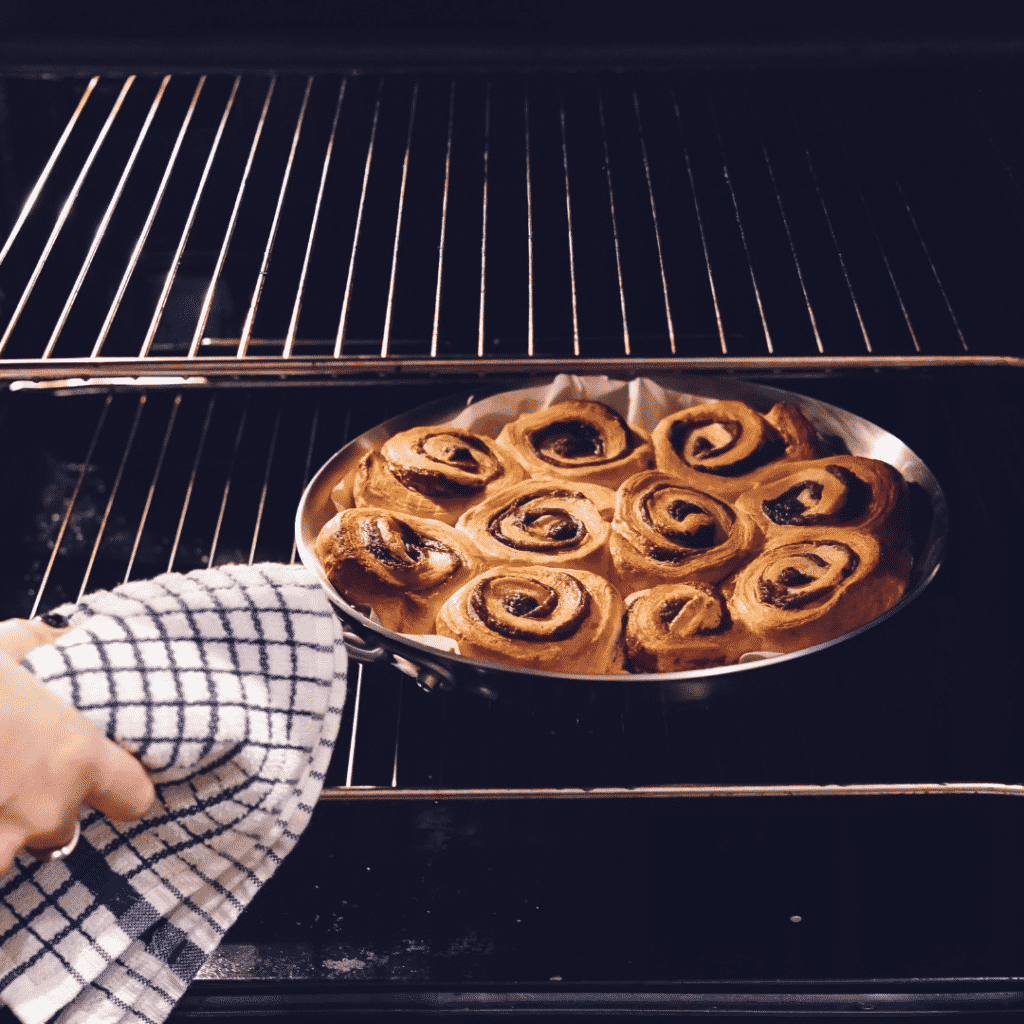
361, 224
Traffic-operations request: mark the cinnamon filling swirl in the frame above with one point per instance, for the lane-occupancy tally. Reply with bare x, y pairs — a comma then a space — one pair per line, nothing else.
581, 441
678, 516
724, 447
521, 608
798, 578
819, 500
535, 524
398, 546
446, 464
677, 627
576, 442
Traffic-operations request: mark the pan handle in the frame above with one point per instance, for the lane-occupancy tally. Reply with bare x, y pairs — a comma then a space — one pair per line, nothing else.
429, 675
360, 650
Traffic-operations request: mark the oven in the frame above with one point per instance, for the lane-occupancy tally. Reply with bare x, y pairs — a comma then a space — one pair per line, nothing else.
221, 264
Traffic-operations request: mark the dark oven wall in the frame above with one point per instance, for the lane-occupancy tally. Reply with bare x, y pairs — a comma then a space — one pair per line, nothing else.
256, 268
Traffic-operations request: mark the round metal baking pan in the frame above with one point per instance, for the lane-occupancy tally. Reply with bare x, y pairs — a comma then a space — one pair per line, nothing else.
842, 431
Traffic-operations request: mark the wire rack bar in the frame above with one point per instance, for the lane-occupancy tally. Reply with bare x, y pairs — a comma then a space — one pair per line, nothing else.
529, 230
615, 225
480, 339
211, 290
130, 371
227, 487
293, 323
129, 443
243, 341
870, 218
838, 246
385, 345
83, 469
133, 259
654, 220
436, 326
674, 792
339, 340
152, 487
568, 221
917, 230
169, 277
101, 228
703, 233
190, 488
66, 209
792, 249
266, 486
44, 174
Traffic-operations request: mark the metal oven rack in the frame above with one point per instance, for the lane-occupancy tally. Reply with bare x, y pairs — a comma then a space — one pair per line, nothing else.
212, 281
385, 226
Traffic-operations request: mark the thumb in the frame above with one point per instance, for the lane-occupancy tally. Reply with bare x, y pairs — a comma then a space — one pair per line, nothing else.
122, 790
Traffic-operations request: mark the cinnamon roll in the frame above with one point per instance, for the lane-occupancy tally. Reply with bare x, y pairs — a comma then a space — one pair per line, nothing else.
677, 627
718, 447
845, 490
665, 531
432, 472
401, 566
798, 593
575, 440
544, 522
558, 620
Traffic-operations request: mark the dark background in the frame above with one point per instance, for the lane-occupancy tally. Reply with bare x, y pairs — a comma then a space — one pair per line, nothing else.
526, 22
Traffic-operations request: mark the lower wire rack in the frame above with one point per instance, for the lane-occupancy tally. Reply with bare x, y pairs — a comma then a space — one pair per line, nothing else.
116, 484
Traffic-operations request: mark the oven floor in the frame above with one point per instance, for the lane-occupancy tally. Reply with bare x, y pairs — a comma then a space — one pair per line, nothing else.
643, 892
809, 906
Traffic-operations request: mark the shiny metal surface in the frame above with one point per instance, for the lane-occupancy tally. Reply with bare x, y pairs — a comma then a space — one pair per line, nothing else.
842, 430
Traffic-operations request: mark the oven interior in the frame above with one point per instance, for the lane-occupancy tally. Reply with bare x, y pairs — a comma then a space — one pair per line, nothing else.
212, 281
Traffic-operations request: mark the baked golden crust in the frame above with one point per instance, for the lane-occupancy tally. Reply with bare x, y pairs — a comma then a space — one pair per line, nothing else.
678, 627
544, 522
665, 531
719, 447
816, 586
580, 441
401, 566
551, 620
846, 491
433, 472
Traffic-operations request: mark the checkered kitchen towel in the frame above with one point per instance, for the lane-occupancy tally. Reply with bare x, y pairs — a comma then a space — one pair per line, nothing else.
228, 685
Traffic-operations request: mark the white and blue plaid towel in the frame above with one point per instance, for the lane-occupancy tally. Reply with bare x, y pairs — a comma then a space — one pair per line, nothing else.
228, 685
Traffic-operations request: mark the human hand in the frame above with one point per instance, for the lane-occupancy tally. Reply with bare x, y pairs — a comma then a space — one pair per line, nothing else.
53, 759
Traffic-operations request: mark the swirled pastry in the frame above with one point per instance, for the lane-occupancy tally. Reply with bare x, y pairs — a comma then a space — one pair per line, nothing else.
432, 472
665, 531
844, 490
718, 447
798, 593
551, 620
677, 627
399, 565
544, 522
584, 441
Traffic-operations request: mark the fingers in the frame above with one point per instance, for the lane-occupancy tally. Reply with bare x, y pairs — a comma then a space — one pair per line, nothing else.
19, 636
122, 789
53, 759
12, 838
40, 845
